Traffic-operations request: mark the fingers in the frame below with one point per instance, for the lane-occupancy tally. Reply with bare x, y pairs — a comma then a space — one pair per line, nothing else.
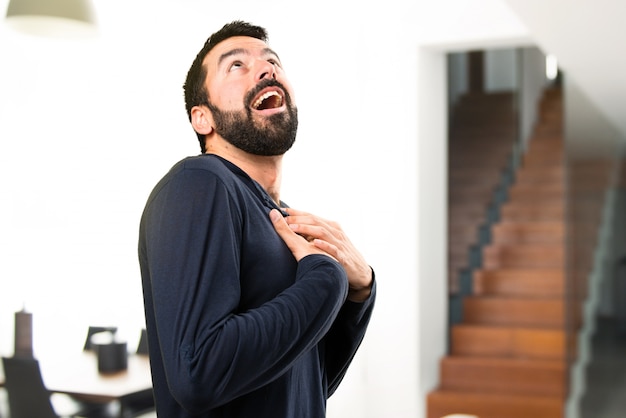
313, 227
330, 237
298, 245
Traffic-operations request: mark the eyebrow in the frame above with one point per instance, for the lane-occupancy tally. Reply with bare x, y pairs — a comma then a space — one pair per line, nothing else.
237, 51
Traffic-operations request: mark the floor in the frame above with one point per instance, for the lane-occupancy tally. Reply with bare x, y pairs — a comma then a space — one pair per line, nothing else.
4, 408
606, 375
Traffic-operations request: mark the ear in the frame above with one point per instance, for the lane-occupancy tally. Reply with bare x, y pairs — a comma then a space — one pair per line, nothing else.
202, 120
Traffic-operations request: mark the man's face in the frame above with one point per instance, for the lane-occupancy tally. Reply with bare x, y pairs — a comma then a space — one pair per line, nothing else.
250, 97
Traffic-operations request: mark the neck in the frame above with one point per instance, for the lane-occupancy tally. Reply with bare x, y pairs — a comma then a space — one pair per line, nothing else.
267, 171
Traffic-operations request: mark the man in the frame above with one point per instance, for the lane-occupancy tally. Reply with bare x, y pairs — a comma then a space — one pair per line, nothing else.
252, 309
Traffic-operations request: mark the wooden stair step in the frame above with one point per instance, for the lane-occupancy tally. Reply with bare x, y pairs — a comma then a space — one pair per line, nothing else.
548, 129
514, 342
473, 175
467, 163
510, 311
460, 247
531, 211
547, 137
487, 105
471, 206
461, 149
460, 196
503, 376
480, 131
547, 133
475, 211
526, 232
463, 225
551, 174
461, 244
545, 144
463, 232
537, 197
522, 283
529, 256
508, 356
553, 120
474, 133
549, 119
486, 111
545, 187
458, 262
453, 274
543, 202
470, 188
488, 405
538, 194
542, 159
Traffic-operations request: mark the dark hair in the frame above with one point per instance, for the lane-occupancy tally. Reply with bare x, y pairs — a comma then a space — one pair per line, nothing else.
194, 87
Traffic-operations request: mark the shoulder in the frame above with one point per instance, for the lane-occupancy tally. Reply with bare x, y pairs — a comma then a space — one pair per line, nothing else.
210, 164
199, 174
199, 169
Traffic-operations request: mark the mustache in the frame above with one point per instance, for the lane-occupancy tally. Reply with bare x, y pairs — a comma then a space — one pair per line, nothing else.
263, 84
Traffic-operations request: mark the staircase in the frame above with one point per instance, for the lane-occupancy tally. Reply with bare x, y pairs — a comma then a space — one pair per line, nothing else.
507, 357
480, 122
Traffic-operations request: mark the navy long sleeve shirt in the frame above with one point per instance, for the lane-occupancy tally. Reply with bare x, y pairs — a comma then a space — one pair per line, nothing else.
237, 327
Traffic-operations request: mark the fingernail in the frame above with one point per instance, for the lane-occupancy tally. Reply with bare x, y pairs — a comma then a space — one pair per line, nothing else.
274, 215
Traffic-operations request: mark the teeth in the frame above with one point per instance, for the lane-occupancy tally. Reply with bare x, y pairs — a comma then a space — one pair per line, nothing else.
263, 97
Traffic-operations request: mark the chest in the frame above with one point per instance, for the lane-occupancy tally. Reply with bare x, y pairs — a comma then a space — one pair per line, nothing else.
267, 265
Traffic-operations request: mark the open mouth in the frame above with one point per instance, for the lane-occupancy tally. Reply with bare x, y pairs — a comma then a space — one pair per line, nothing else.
268, 100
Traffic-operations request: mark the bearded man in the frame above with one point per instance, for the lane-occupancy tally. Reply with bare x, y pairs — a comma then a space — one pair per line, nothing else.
253, 309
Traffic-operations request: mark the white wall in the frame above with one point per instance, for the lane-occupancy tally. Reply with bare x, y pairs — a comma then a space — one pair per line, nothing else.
592, 56
457, 78
533, 80
501, 70
87, 128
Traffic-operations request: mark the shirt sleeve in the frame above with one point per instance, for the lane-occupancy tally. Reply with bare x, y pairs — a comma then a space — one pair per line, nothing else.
345, 337
211, 352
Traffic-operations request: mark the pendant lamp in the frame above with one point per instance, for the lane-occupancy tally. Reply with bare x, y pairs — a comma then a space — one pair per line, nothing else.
54, 18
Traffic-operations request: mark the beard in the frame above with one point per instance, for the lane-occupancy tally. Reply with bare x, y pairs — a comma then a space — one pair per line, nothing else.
273, 135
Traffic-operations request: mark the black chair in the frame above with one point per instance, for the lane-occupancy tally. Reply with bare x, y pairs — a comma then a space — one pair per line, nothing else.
142, 347
94, 330
28, 395
137, 404
142, 402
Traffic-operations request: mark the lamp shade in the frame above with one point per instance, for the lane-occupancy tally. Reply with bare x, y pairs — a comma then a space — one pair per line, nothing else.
52, 17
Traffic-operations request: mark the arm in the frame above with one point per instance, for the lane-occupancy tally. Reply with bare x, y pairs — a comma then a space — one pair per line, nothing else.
345, 337
212, 353
330, 237
349, 327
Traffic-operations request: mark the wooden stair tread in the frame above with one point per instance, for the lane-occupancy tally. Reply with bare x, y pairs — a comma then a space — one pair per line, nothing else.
508, 341
552, 210
442, 402
508, 356
545, 187
514, 311
527, 232
518, 282
523, 256
503, 375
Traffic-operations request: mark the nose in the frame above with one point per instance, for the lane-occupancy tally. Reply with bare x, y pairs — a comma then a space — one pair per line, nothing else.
266, 70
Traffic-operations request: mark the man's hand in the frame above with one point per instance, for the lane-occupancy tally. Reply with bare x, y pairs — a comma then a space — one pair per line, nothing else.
298, 245
328, 236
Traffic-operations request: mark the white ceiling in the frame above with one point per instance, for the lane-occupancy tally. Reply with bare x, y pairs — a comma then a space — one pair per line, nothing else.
587, 37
